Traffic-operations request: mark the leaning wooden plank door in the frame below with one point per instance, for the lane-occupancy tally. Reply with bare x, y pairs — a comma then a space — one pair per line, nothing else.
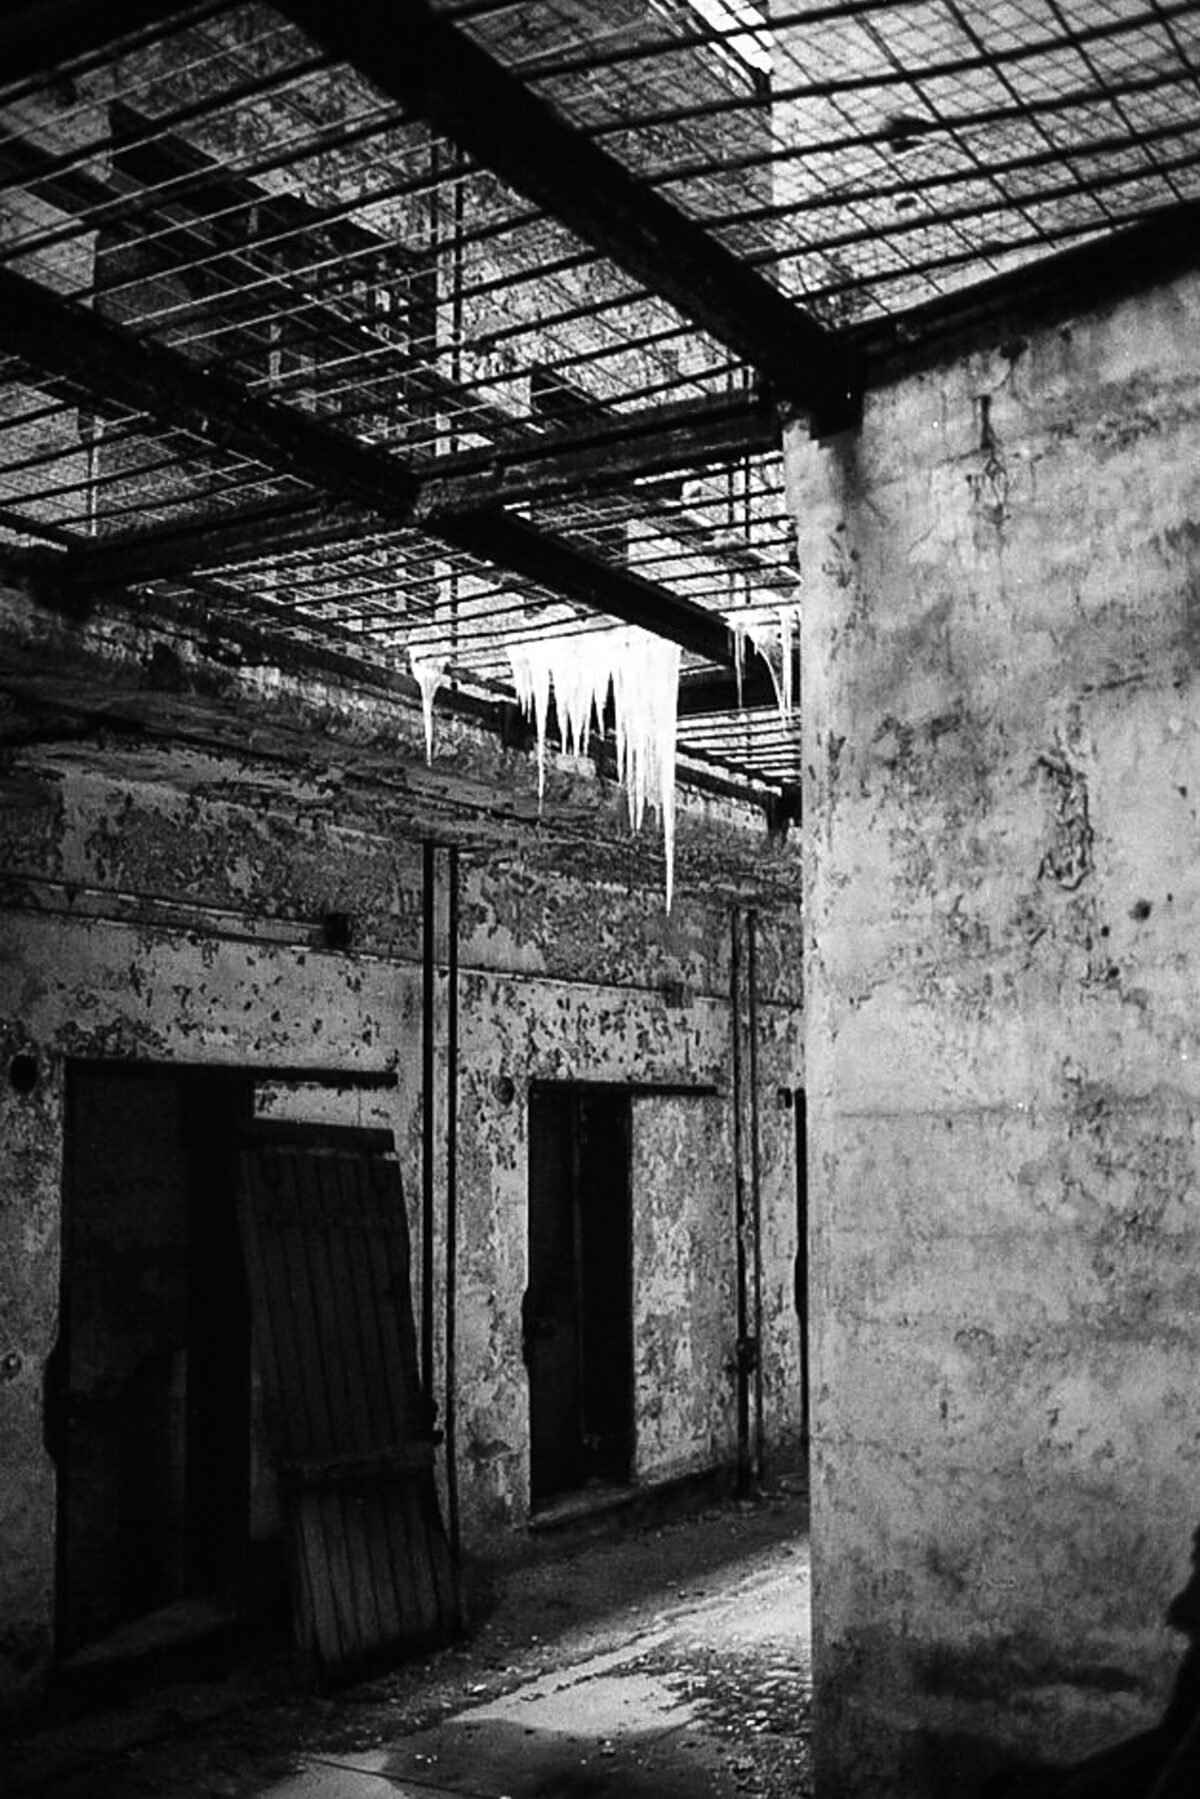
326, 1242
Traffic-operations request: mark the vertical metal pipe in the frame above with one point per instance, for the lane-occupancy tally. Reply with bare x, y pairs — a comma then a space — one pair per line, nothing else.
429, 887
428, 1114
739, 1212
449, 1358
755, 1188
801, 1276
457, 339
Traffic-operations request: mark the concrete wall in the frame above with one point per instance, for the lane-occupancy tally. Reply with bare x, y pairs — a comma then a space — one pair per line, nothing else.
161, 903
1002, 630
684, 1259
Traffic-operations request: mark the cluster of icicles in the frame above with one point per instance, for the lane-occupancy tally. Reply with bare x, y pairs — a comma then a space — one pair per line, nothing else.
642, 673
775, 633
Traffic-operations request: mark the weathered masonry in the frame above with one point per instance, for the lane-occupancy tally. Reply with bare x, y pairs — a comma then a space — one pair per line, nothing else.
211, 919
1001, 711
597, 721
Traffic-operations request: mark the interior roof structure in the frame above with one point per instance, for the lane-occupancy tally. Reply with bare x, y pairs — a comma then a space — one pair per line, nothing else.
419, 331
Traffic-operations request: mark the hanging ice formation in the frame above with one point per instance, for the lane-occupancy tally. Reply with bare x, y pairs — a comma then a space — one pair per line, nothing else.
530, 664
645, 681
428, 673
643, 672
774, 631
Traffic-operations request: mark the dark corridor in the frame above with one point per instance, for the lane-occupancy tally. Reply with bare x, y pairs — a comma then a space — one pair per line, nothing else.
148, 1404
578, 1309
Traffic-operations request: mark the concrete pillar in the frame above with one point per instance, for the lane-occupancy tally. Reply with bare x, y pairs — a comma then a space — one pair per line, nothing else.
1001, 579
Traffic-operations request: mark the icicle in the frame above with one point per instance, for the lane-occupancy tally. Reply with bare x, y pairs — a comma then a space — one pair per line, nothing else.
428, 672
773, 635
530, 664
645, 700
643, 672
789, 621
581, 682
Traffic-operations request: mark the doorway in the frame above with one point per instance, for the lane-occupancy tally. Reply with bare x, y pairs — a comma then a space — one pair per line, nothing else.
578, 1308
148, 1399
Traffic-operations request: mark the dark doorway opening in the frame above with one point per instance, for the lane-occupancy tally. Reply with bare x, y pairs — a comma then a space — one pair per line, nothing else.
578, 1308
149, 1395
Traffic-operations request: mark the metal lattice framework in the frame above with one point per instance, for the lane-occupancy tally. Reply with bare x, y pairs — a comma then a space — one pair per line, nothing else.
419, 330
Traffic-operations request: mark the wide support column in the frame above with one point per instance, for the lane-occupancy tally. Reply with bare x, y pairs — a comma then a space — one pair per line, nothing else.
1002, 989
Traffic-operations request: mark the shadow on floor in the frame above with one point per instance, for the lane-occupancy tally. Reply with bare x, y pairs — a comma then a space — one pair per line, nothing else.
692, 1632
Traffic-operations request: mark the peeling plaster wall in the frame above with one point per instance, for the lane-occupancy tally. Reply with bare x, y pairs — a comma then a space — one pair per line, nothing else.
1001, 580
161, 903
684, 1292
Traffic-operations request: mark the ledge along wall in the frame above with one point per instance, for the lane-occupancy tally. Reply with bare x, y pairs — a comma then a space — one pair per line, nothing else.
1001, 579
160, 902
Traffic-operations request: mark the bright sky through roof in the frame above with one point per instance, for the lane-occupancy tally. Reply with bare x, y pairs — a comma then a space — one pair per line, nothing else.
728, 15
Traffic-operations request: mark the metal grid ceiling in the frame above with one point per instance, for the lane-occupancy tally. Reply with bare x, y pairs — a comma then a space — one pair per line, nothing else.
868, 157
222, 186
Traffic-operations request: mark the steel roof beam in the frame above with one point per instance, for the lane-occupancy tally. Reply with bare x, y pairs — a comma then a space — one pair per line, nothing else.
552, 466
409, 53
39, 36
101, 357
702, 695
604, 453
1108, 267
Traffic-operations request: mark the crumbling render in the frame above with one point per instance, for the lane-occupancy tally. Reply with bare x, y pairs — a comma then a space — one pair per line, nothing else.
1068, 860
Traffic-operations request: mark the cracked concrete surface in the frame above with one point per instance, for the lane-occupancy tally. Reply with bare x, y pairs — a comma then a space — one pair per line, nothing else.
671, 1660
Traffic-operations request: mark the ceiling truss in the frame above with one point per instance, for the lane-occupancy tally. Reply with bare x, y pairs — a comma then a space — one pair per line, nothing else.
353, 317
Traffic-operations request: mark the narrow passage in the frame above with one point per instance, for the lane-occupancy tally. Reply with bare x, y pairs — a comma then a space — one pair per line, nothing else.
670, 1661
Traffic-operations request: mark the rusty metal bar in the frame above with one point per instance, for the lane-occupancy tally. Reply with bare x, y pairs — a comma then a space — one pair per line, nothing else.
428, 1108
800, 1276
755, 1184
742, 1358
450, 1353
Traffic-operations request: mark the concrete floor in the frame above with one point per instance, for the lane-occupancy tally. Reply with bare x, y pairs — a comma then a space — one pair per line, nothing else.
671, 1660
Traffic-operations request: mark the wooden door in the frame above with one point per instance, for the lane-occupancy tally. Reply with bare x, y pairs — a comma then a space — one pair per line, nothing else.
327, 1252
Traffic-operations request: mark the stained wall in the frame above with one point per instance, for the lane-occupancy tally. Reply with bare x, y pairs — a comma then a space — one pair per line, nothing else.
165, 875
1001, 580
